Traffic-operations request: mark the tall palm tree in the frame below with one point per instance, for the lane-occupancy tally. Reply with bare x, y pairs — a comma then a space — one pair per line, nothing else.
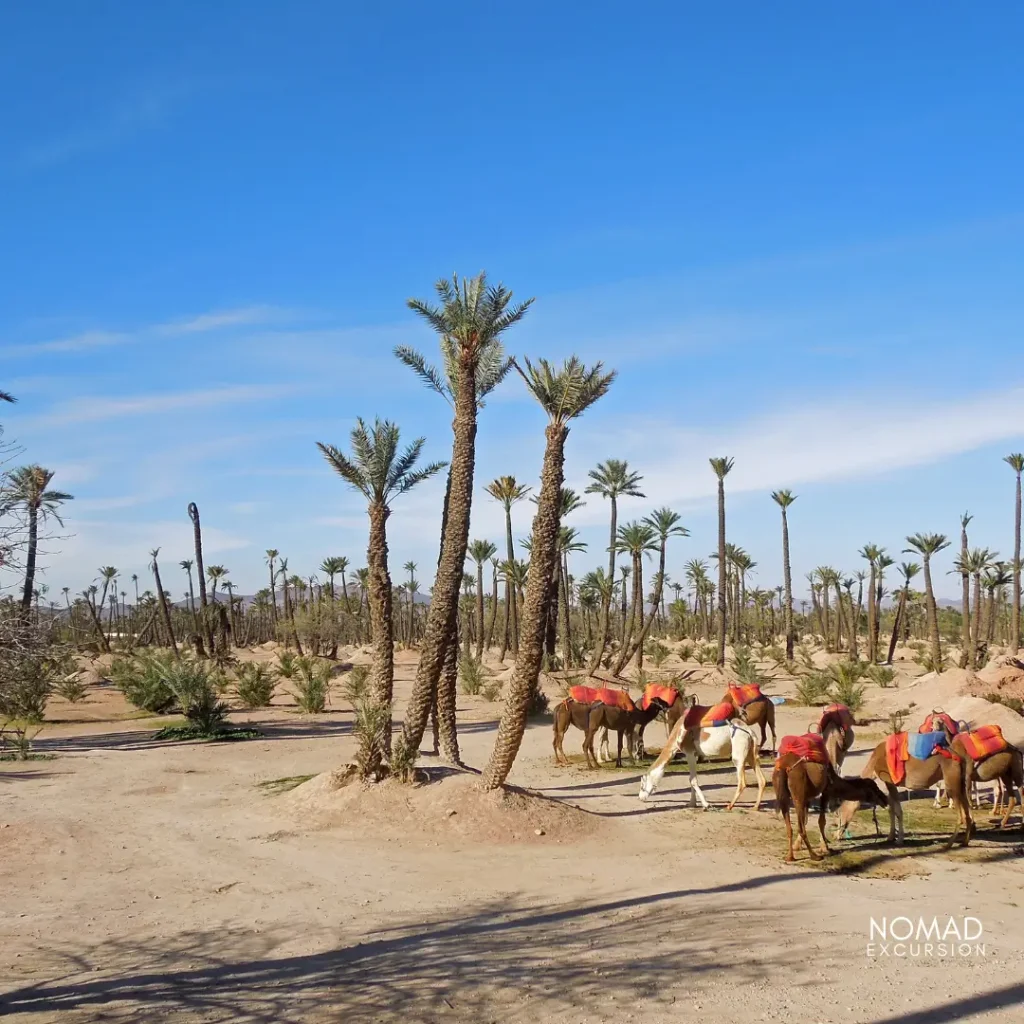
564, 393
784, 499
480, 551
380, 472
721, 468
1016, 463
965, 596
107, 573
634, 539
330, 567
197, 539
272, 556
973, 564
908, 570
663, 523
568, 541
215, 573
506, 490
927, 545
611, 480
28, 491
186, 564
871, 553
470, 322
165, 610
411, 586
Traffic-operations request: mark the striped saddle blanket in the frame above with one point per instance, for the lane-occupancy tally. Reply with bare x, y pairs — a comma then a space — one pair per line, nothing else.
657, 691
923, 744
602, 695
700, 714
743, 693
837, 715
810, 747
983, 742
896, 754
937, 721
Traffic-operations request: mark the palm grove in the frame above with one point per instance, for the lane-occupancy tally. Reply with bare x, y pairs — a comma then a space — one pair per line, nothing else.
525, 605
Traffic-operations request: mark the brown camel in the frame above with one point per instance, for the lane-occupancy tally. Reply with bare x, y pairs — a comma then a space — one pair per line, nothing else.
673, 712
798, 781
838, 741
590, 718
919, 775
760, 713
1005, 767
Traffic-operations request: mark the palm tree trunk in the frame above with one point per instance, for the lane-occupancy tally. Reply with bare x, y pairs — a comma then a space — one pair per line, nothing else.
567, 658
933, 616
448, 581
535, 612
382, 673
722, 583
197, 537
447, 694
973, 662
273, 593
787, 578
479, 610
30, 559
624, 655
1015, 611
606, 605
494, 609
901, 610
164, 610
872, 616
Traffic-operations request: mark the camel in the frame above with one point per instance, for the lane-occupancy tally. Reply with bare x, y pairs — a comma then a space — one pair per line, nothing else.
589, 718
1005, 767
798, 781
760, 713
837, 731
735, 739
673, 712
919, 775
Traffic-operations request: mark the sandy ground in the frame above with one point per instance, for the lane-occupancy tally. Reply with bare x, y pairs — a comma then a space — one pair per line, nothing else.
149, 881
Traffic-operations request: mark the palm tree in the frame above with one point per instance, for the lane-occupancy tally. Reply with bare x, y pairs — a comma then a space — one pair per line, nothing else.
721, 467
568, 541
610, 480
412, 586
1016, 463
469, 322
927, 545
215, 573
187, 564
165, 611
380, 473
480, 551
908, 570
28, 491
272, 555
872, 552
784, 499
197, 538
973, 563
634, 539
564, 393
506, 490
330, 567
965, 597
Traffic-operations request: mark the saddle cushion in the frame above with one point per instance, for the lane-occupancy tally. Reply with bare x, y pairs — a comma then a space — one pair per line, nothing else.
983, 742
615, 698
743, 693
583, 694
810, 747
896, 754
719, 714
656, 691
837, 715
923, 744
935, 722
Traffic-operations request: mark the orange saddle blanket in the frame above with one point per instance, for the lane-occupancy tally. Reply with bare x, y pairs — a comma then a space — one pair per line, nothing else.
837, 715
743, 693
936, 721
983, 742
810, 746
896, 754
719, 714
602, 695
657, 691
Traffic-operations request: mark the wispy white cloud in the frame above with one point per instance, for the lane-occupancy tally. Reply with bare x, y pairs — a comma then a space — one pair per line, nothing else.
74, 343
143, 109
842, 441
220, 319
98, 408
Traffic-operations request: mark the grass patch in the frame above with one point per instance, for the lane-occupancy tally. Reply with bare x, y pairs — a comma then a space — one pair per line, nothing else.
28, 757
194, 732
274, 786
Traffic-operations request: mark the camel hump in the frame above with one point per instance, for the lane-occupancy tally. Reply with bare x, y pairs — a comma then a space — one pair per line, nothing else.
615, 698
658, 691
984, 741
719, 714
837, 715
583, 694
810, 746
741, 694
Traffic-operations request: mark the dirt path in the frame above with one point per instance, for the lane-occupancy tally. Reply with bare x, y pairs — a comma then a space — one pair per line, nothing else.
145, 881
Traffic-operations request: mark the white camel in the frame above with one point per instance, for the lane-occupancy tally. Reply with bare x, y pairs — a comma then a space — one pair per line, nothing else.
734, 740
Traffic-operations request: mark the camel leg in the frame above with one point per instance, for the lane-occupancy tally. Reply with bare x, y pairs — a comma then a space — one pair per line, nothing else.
790, 856
801, 820
825, 848
588, 748
649, 782
762, 781
696, 793
618, 749
604, 753
739, 759
560, 759
1009, 807
937, 802
895, 813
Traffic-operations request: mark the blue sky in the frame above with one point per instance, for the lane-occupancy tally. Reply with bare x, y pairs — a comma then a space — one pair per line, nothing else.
794, 231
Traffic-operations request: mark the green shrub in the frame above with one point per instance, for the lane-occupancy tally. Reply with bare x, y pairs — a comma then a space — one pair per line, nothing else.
357, 684
286, 665
703, 654
1013, 703
812, 689
882, 675
312, 681
685, 650
255, 684
744, 667
472, 675
657, 652
845, 687
491, 690
141, 680
195, 688
897, 720
538, 703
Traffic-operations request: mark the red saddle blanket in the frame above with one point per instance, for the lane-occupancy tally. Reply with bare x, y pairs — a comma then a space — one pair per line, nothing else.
602, 695
743, 693
983, 742
836, 715
656, 691
810, 746
936, 721
896, 754
719, 714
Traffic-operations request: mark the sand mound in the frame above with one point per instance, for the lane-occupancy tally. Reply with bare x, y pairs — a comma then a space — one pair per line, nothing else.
977, 711
448, 805
1004, 675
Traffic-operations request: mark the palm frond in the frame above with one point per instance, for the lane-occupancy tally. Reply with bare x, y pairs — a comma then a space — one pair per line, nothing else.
410, 480
426, 373
346, 469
